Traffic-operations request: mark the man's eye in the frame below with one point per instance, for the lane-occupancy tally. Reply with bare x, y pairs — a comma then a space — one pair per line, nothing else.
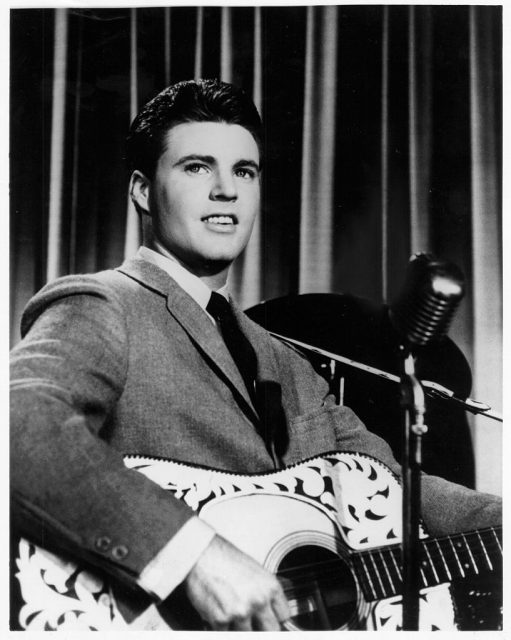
245, 172
196, 167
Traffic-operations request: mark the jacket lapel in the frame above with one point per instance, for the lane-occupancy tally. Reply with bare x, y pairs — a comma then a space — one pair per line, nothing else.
262, 343
194, 321
273, 422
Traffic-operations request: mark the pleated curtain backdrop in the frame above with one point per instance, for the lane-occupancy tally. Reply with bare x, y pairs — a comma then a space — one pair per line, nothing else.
382, 138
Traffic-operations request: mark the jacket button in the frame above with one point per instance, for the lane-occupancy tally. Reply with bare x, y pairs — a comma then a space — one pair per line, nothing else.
120, 552
103, 543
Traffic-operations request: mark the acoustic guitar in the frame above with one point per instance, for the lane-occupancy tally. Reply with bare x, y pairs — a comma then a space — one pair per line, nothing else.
328, 527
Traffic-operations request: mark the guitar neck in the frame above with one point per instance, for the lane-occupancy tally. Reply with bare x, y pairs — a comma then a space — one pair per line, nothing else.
443, 559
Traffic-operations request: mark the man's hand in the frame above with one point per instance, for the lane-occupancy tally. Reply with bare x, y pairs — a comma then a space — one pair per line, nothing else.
231, 591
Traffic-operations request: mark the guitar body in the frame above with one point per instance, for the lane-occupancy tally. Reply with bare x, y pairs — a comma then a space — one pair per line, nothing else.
313, 524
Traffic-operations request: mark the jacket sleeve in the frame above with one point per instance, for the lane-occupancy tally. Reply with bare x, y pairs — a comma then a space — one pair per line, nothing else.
70, 489
446, 507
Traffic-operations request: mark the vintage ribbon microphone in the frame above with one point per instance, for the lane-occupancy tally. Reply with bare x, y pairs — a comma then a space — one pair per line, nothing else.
421, 314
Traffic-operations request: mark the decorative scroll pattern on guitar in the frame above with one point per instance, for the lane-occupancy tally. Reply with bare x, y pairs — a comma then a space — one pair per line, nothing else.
354, 502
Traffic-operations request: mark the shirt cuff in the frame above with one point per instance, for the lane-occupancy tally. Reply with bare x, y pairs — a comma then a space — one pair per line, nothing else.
174, 562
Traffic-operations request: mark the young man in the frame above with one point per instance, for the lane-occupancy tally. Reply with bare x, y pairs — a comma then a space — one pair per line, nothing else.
132, 361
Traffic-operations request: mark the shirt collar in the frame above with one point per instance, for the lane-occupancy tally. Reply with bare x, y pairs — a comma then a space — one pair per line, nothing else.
193, 285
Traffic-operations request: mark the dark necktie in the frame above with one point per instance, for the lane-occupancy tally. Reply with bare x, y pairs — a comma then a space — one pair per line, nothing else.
238, 345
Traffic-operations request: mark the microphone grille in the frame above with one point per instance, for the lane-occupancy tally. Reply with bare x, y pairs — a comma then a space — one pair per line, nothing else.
432, 292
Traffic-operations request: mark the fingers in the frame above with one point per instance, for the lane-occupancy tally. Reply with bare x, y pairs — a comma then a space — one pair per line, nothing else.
230, 590
269, 617
263, 620
258, 618
266, 620
243, 624
280, 606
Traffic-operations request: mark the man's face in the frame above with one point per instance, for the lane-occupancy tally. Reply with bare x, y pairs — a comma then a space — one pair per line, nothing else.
205, 193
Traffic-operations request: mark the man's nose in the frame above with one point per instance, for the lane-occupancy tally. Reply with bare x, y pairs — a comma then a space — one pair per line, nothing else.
224, 186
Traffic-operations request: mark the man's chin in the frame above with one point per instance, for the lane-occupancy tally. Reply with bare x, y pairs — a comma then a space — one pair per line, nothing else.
208, 266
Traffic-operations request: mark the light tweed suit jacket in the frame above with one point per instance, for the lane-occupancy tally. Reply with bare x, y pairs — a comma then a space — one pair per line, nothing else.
124, 361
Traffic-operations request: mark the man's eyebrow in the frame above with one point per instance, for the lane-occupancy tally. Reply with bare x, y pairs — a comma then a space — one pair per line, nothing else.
195, 156
247, 163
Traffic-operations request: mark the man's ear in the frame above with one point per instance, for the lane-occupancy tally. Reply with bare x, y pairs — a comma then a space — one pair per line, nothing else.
139, 192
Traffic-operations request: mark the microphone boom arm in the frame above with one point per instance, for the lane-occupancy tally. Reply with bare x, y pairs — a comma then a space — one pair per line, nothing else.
433, 389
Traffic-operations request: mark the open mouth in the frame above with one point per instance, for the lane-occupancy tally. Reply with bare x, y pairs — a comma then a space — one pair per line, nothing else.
226, 220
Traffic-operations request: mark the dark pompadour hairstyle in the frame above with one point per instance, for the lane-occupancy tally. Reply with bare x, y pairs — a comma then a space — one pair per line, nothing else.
187, 101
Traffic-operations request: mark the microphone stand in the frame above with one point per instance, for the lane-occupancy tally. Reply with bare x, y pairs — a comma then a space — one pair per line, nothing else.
433, 389
413, 409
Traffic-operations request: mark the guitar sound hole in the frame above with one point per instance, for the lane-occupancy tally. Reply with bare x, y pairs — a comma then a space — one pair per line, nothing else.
319, 587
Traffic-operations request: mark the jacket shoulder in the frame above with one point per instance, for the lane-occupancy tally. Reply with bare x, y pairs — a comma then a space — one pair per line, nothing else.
107, 285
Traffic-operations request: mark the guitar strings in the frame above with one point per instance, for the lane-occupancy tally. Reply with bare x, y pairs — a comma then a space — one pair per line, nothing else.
330, 569
491, 548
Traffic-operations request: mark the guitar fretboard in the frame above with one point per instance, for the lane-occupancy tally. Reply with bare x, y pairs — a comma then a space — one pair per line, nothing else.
462, 555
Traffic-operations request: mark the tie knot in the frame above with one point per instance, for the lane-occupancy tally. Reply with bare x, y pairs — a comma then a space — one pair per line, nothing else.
218, 306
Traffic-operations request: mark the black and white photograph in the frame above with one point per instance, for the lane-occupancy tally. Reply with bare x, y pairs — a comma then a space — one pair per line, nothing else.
255, 317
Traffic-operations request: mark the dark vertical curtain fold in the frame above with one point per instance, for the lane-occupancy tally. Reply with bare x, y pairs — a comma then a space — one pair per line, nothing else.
382, 136
384, 154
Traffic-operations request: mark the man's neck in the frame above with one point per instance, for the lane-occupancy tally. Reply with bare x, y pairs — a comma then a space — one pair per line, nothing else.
214, 280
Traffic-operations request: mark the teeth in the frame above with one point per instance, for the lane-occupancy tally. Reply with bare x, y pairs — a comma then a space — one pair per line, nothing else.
220, 219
